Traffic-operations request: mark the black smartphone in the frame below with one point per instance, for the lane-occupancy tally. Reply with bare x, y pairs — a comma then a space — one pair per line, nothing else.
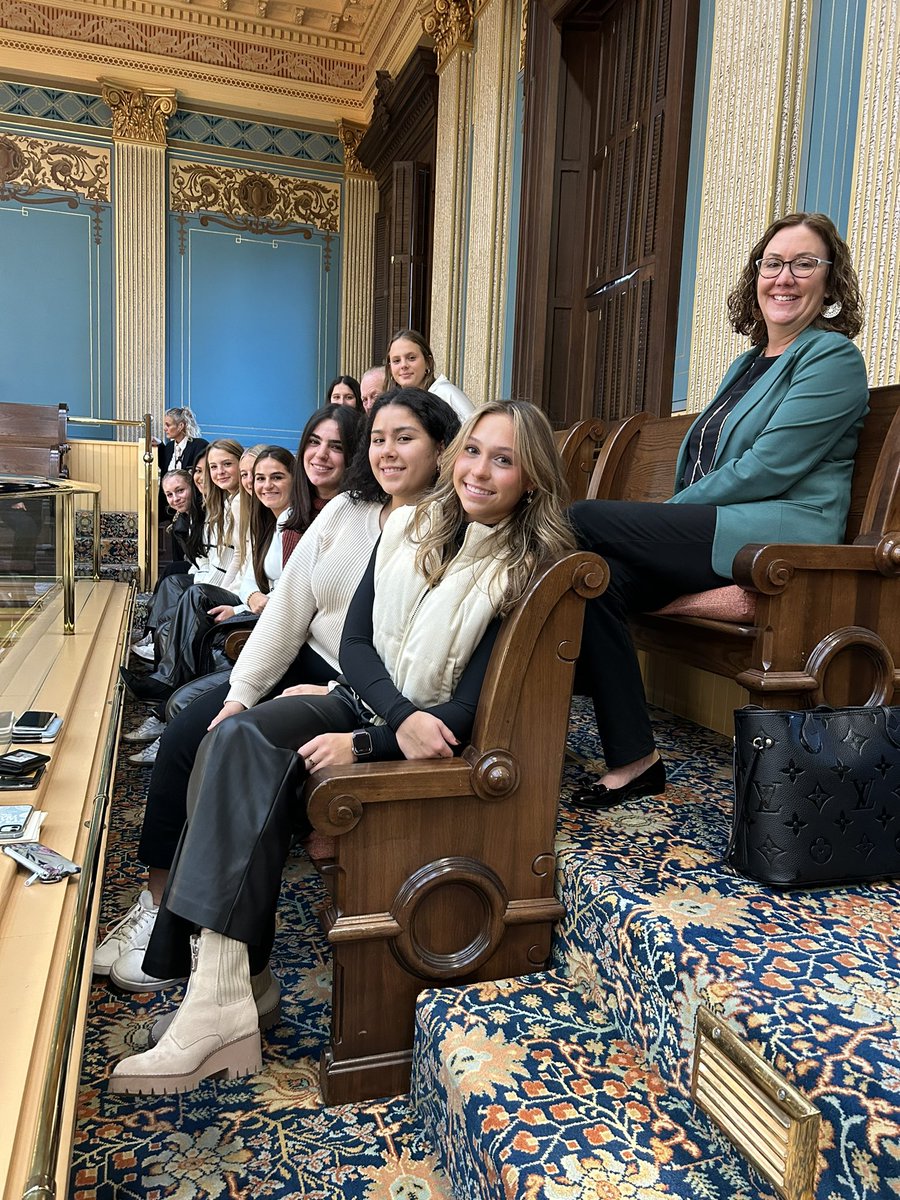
21, 762
33, 721
22, 783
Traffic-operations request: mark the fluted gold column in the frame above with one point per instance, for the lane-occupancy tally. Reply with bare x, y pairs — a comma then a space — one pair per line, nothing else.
449, 22
757, 78
873, 230
357, 257
139, 207
496, 63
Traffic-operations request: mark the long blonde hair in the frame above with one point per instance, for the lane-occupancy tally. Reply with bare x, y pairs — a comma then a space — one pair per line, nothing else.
537, 528
219, 518
245, 504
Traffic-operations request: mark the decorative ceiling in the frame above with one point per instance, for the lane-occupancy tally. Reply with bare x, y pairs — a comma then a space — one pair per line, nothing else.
273, 59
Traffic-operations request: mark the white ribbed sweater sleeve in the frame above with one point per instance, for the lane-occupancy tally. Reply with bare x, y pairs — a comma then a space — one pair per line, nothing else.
311, 600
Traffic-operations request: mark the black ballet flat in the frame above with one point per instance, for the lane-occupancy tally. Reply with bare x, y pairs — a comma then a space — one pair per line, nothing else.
145, 687
651, 782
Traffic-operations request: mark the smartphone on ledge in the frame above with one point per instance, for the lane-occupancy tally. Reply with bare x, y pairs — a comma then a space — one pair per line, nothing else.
33, 722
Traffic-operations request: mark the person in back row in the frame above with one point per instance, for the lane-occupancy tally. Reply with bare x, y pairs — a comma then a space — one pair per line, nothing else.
410, 363
344, 390
416, 645
293, 647
371, 386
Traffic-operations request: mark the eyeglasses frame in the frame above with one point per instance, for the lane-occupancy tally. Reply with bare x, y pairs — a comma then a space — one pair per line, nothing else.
789, 263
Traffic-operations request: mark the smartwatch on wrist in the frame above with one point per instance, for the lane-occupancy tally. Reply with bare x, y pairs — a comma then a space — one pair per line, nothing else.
361, 744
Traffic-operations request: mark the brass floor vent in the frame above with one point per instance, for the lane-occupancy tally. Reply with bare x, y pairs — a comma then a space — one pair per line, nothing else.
771, 1123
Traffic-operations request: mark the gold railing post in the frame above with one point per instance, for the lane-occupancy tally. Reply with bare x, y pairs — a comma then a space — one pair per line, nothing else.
148, 503
96, 536
68, 560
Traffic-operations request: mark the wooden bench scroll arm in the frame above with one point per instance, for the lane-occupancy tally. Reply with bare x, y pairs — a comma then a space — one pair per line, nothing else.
336, 796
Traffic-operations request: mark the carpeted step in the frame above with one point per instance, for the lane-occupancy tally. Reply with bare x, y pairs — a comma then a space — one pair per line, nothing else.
527, 1092
809, 978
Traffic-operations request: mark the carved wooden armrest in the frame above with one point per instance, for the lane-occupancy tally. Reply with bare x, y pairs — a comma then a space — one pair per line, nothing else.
234, 643
769, 569
335, 796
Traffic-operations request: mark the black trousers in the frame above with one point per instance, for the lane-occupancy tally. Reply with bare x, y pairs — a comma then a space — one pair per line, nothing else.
655, 552
180, 659
166, 808
169, 590
243, 810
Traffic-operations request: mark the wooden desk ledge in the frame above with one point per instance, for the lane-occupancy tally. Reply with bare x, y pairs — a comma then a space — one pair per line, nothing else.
76, 676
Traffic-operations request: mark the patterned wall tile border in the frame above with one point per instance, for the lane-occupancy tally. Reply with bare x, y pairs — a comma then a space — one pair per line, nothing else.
72, 108
229, 133
197, 128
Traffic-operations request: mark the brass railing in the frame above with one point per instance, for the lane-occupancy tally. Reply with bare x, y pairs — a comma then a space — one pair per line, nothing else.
42, 1172
147, 458
65, 491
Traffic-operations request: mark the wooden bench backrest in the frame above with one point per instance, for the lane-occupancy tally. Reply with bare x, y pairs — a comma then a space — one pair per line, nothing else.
577, 448
637, 462
33, 439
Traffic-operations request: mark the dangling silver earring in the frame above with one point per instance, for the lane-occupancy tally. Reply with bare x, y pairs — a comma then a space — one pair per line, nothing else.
529, 496
830, 311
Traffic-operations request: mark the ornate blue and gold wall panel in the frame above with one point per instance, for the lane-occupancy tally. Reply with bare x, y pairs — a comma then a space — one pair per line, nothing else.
253, 250
56, 250
254, 292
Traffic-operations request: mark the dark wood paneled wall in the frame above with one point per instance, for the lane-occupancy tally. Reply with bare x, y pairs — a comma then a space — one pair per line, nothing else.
399, 149
608, 100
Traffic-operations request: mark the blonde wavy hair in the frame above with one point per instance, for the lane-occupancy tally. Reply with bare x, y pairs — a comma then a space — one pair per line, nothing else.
219, 516
537, 528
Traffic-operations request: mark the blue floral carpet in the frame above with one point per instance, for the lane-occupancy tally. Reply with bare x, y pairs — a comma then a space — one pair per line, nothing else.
568, 1085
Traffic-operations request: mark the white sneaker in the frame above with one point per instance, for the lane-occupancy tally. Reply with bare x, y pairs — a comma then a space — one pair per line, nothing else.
147, 731
133, 930
145, 652
147, 756
127, 972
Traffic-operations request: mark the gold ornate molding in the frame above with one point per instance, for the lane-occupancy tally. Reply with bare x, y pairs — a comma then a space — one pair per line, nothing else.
449, 23
71, 173
139, 115
254, 201
351, 136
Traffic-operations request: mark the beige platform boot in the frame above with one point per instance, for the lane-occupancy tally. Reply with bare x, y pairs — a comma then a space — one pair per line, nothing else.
214, 1032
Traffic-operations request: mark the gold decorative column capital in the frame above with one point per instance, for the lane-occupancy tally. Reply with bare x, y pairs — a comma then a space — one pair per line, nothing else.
351, 136
139, 114
449, 23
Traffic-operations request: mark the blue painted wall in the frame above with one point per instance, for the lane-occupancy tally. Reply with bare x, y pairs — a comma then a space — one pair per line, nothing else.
831, 104
253, 330
692, 207
512, 268
56, 336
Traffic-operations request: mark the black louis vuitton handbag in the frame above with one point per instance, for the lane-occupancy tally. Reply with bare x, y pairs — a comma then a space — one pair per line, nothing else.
817, 796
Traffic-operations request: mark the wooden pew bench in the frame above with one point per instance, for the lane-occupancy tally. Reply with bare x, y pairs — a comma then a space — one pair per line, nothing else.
443, 870
33, 440
578, 447
804, 625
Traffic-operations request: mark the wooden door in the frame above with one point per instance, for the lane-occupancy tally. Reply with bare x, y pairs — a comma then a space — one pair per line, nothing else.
410, 277
615, 82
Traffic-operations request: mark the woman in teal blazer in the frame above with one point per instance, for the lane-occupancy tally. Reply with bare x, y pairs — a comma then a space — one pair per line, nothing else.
770, 459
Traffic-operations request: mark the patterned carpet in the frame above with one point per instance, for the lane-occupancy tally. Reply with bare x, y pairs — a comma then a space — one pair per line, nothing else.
569, 1085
